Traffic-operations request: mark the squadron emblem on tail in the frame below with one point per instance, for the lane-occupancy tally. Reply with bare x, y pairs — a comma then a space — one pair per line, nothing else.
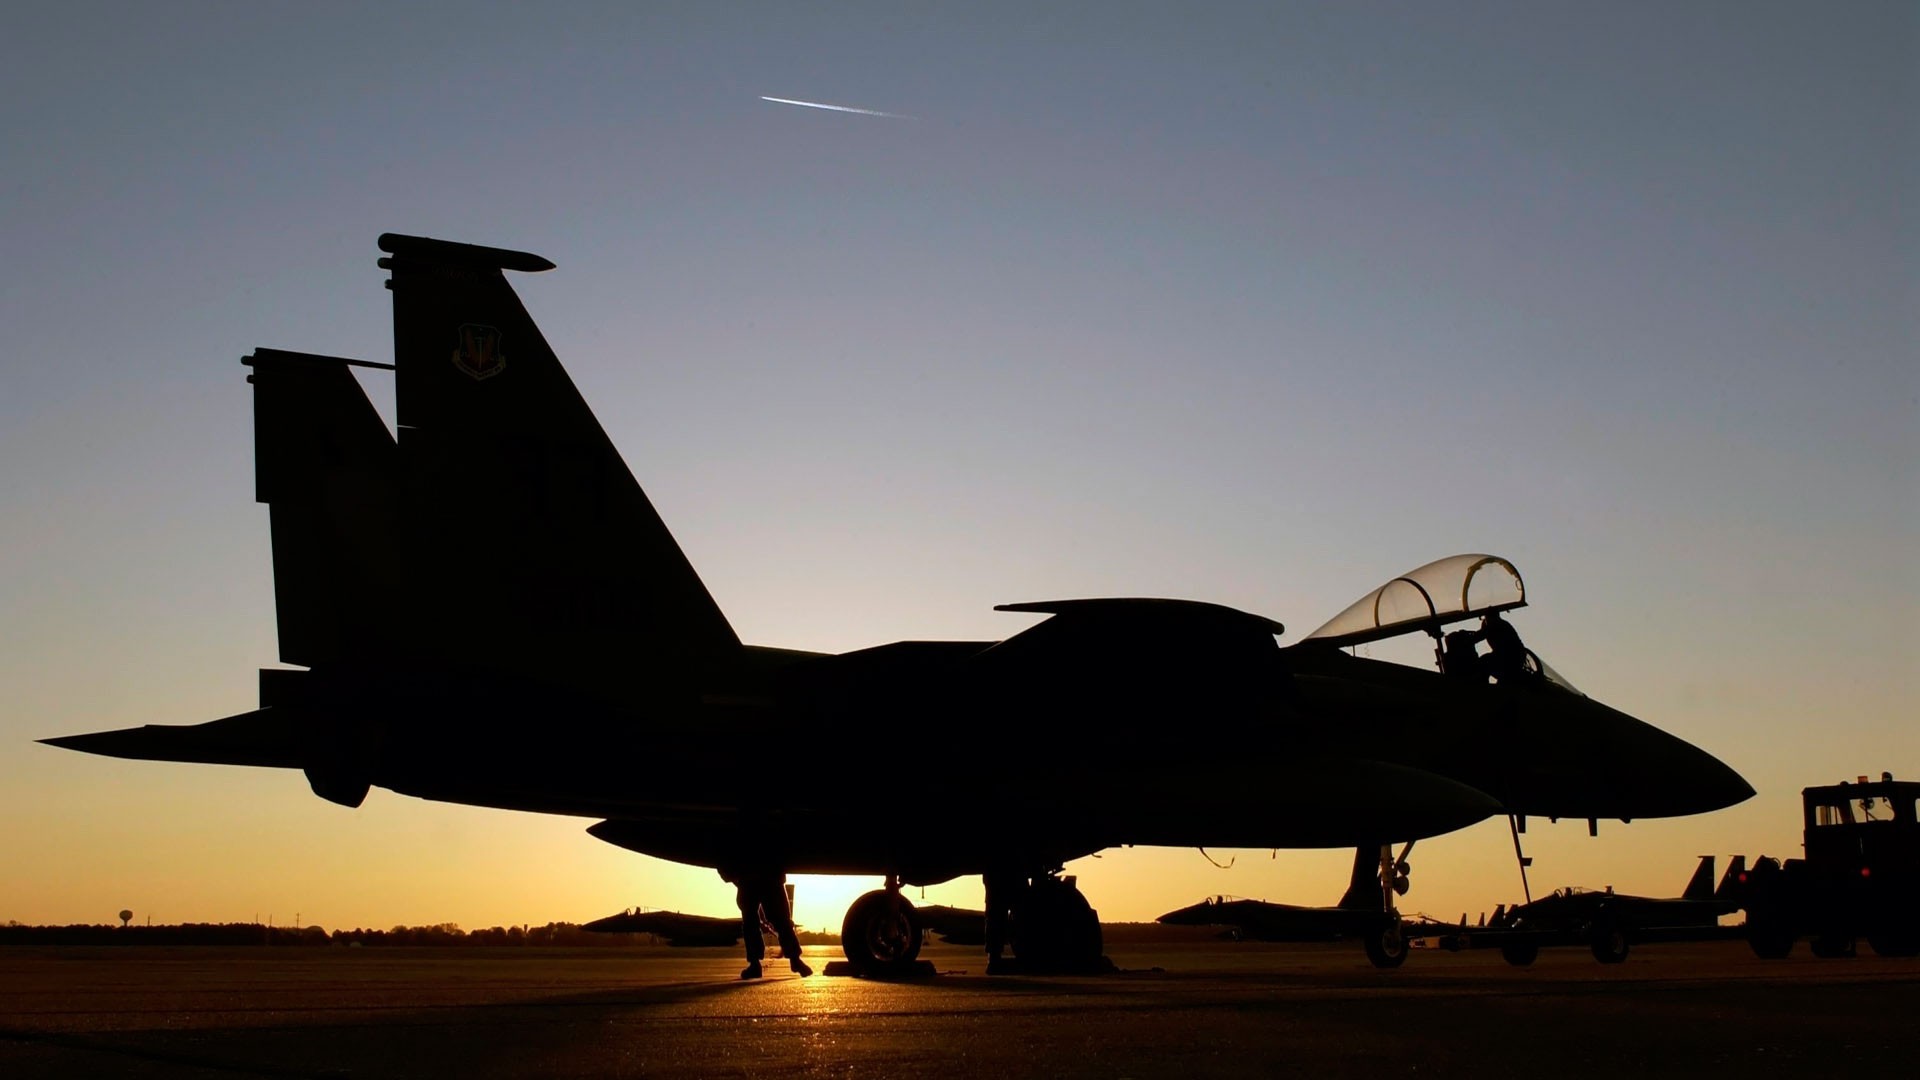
479, 353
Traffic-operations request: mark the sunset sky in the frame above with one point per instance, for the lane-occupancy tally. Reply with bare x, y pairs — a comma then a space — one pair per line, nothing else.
1258, 304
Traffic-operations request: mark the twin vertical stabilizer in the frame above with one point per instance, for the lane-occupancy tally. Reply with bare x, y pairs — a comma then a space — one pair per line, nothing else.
501, 531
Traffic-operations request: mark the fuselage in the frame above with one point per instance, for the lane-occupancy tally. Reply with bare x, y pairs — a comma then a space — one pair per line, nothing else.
944, 760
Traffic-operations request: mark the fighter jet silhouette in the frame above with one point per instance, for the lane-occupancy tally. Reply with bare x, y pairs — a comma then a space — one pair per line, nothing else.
487, 610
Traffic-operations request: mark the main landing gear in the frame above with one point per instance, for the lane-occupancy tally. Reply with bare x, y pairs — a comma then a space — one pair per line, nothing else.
1053, 929
1047, 923
881, 933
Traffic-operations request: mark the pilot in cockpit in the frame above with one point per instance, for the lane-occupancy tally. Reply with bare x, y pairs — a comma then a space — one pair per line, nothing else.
1459, 659
1506, 657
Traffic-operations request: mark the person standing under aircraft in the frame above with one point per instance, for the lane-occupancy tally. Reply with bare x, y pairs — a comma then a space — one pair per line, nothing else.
764, 895
1001, 887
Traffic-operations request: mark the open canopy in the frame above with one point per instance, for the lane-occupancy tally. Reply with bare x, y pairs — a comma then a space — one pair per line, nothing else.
1448, 590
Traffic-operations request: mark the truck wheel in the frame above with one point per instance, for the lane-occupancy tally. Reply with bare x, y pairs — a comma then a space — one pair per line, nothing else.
1520, 954
1770, 943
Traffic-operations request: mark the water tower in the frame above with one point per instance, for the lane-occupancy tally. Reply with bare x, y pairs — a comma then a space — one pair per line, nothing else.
125, 918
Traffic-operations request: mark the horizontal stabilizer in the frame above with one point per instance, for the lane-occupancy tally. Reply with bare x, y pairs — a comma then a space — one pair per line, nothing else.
264, 737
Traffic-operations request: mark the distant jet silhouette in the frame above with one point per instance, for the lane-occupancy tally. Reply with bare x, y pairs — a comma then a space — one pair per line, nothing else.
1609, 922
1361, 913
487, 610
671, 926
953, 925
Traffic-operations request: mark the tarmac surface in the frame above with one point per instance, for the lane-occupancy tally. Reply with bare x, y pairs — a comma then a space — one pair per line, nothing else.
1212, 1009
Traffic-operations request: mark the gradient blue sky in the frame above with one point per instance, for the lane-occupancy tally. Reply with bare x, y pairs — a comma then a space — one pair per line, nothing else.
1258, 304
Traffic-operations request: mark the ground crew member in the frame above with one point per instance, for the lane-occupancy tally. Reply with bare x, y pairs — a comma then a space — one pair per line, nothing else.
763, 896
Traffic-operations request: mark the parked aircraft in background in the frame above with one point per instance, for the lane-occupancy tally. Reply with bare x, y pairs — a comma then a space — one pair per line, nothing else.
1359, 913
953, 925
495, 573
1609, 922
1700, 904
672, 927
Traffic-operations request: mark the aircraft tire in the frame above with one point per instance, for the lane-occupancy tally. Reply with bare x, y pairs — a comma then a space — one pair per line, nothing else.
1610, 945
1520, 954
1387, 947
1054, 928
881, 934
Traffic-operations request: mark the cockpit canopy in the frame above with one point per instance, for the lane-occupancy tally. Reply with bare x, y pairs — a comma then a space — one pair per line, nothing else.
1445, 591
1449, 590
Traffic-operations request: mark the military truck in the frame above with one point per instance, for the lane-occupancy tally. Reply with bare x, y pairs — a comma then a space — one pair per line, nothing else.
1858, 877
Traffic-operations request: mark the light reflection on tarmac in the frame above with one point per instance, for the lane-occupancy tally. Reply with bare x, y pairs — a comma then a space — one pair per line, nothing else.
1210, 1010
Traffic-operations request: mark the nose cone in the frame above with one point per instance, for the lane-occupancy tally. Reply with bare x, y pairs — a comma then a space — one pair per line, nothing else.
1701, 782
1578, 758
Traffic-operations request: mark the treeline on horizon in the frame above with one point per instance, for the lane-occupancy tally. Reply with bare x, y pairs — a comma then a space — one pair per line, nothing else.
568, 935
552, 935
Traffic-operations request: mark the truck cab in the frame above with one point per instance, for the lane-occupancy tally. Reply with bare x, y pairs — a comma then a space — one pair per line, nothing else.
1863, 825
1857, 878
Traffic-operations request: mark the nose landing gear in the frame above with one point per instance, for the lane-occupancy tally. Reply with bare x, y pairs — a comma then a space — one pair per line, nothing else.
1387, 944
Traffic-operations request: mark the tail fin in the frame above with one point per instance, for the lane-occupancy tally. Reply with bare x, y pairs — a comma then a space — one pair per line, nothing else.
1732, 886
1700, 886
324, 465
528, 544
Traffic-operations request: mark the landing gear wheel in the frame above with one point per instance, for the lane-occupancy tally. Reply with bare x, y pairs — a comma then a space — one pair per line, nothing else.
1053, 928
1610, 945
1833, 946
881, 934
1387, 946
1520, 954
1895, 943
1768, 938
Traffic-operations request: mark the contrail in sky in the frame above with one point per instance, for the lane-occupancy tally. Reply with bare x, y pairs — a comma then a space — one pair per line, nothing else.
833, 108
